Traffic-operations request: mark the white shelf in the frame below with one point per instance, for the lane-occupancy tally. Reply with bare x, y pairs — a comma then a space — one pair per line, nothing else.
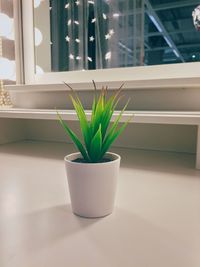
152, 84
158, 117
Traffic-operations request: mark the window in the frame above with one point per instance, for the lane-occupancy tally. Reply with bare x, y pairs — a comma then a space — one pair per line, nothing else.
107, 34
163, 34
85, 35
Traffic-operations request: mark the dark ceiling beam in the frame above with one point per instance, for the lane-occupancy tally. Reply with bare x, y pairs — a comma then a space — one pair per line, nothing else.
177, 4
161, 28
179, 19
189, 45
147, 45
182, 31
151, 34
179, 46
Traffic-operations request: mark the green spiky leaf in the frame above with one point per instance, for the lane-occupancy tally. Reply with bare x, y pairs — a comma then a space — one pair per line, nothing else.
112, 137
84, 125
96, 145
74, 138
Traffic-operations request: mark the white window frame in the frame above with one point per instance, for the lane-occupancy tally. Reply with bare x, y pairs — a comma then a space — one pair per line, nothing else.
160, 76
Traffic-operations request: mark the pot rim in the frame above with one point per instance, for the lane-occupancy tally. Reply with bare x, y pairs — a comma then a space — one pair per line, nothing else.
117, 158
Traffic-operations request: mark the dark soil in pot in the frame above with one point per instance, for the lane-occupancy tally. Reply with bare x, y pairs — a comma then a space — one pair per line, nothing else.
81, 160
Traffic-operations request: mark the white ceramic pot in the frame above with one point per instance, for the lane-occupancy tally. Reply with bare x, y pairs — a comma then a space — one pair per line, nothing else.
92, 186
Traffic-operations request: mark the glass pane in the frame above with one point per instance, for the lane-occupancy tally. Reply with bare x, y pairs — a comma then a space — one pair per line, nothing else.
82, 35
170, 35
96, 34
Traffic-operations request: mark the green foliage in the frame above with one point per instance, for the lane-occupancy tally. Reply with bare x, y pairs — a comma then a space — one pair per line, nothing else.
98, 133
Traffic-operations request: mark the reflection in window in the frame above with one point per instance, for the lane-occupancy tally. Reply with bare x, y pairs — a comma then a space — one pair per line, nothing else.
7, 45
95, 34
170, 36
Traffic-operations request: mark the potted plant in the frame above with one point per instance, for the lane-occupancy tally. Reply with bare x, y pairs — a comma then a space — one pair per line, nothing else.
93, 171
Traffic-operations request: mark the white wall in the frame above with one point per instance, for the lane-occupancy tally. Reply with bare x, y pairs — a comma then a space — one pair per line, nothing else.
12, 130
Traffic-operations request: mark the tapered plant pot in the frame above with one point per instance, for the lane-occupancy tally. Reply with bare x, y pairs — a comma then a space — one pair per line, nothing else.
92, 186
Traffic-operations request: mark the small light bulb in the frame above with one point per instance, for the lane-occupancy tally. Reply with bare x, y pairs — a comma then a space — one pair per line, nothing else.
67, 6
38, 37
37, 3
11, 35
116, 15
91, 38
5, 25
39, 70
89, 59
111, 32
7, 68
104, 16
107, 36
108, 56
67, 38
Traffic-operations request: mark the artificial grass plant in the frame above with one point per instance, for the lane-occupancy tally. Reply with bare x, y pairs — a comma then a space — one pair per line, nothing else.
99, 132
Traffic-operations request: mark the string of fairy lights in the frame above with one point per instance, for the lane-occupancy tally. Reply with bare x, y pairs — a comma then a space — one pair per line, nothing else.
108, 35
70, 39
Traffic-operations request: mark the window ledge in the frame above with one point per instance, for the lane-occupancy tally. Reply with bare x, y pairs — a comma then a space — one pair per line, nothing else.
175, 83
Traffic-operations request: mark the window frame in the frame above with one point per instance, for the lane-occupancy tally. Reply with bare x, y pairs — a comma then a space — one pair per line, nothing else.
157, 76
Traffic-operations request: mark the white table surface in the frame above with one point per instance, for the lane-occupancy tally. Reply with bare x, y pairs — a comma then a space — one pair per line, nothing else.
156, 222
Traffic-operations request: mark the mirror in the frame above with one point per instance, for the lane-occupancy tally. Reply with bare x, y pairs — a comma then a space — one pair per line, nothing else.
87, 35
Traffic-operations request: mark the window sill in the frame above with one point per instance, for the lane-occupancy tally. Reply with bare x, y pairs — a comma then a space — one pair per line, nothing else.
175, 83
